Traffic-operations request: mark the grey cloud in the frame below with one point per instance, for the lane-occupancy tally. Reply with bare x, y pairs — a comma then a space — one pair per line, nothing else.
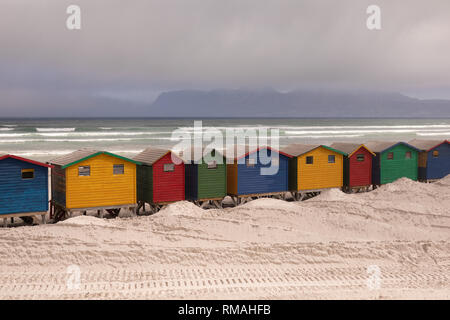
134, 46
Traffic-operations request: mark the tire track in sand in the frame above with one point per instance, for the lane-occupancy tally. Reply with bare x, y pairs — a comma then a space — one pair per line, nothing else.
261, 281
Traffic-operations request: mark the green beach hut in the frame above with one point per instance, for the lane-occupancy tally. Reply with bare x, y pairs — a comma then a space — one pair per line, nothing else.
394, 160
206, 176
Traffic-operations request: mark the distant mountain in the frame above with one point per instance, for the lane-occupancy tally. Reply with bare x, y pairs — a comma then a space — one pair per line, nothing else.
299, 103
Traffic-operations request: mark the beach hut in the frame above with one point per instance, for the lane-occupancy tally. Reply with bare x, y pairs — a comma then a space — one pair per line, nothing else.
314, 168
89, 179
254, 173
160, 178
23, 187
434, 158
205, 176
393, 160
357, 165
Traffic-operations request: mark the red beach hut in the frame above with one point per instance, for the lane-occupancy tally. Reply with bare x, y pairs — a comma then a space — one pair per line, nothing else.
357, 165
160, 179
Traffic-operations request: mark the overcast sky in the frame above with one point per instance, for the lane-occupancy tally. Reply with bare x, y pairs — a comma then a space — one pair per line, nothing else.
132, 50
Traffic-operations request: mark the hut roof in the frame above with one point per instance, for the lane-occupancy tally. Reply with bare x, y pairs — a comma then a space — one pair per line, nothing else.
82, 155
240, 151
349, 148
152, 154
297, 149
5, 156
381, 146
426, 145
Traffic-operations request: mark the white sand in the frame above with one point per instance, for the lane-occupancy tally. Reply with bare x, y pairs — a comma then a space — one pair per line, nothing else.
267, 248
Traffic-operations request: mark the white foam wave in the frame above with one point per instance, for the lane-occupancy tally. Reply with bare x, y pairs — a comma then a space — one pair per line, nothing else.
81, 134
6, 129
97, 134
40, 153
55, 129
307, 132
12, 135
6, 141
300, 127
434, 133
326, 136
52, 153
367, 127
15, 140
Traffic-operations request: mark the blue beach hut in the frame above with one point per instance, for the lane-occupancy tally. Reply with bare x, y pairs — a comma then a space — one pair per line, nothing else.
249, 174
434, 158
23, 187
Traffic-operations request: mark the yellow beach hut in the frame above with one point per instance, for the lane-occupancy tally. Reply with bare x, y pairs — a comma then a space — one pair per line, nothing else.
89, 179
313, 168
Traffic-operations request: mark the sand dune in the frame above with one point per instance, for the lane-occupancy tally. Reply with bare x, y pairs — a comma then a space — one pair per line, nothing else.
267, 248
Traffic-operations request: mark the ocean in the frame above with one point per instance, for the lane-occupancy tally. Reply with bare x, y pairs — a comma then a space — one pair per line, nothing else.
44, 139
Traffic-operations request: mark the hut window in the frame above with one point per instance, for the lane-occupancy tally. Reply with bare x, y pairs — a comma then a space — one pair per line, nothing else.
27, 174
390, 156
309, 160
408, 155
84, 171
250, 162
212, 165
169, 167
331, 159
435, 154
118, 169
359, 157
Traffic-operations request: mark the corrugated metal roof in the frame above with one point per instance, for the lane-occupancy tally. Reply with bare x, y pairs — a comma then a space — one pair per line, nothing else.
5, 155
350, 148
74, 156
239, 151
425, 144
151, 155
345, 146
84, 154
379, 146
297, 149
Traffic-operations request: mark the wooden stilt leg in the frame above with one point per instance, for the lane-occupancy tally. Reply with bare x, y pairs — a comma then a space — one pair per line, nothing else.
5, 222
218, 204
43, 219
51, 209
204, 204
